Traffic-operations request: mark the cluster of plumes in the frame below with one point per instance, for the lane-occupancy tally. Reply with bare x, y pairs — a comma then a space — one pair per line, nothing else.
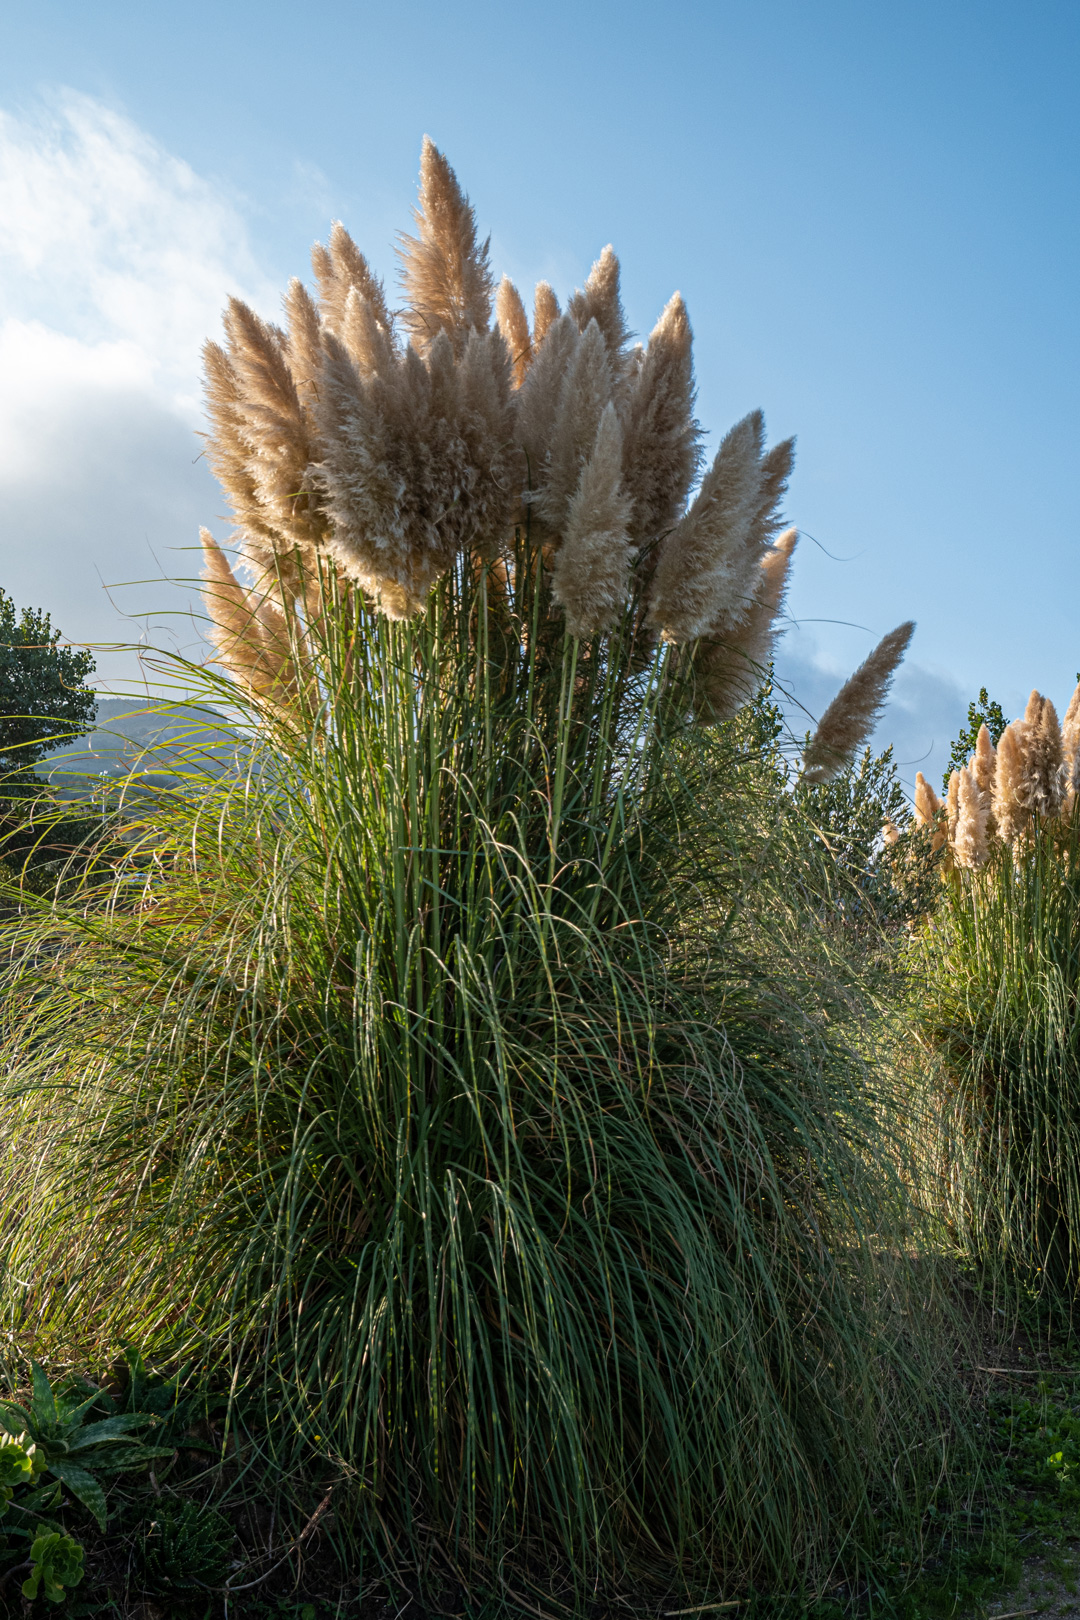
1002, 794
386, 445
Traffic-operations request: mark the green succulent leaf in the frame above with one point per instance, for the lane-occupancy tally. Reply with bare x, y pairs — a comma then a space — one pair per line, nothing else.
58, 1563
82, 1485
122, 1459
112, 1428
43, 1405
16, 1463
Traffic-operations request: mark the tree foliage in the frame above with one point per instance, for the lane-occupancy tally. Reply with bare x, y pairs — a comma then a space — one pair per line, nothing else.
44, 698
984, 712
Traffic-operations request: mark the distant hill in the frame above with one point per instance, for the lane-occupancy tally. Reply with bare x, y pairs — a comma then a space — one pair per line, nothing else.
125, 729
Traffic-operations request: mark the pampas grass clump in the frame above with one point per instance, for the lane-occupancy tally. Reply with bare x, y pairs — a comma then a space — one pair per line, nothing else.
436, 1074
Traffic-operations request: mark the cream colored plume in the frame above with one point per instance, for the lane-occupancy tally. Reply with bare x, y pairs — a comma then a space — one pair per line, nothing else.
952, 804
705, 567
513, 323
1011, 811
340, 268
1070, 754
970, 836
1043, 757
262, 445
662, 436
585, 390
850, 717
600, 301
417, 463
545, 312
592, 566
890, 832
445, 268
538, 403
250, 633
729, 668
984, 763
927, 803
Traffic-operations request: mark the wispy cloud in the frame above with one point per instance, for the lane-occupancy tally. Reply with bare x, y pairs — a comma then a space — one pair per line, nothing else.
114, 263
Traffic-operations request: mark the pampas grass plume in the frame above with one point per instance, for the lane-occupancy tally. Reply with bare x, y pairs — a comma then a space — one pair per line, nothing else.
701, 572
927, 803
730, 668
662, 436
850, 717
592, 566
513, 323
445, 268
970, 834
1010, 806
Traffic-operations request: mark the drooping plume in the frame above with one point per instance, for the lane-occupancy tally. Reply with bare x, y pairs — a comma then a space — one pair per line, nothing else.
592, 566
251, 634
262, 444
729, 669
705, 566
445, 268
851, 716
662, 436
513, 323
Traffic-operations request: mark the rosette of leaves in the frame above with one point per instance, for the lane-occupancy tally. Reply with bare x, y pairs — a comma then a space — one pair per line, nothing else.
186, 1548
71, 1448
56, 1564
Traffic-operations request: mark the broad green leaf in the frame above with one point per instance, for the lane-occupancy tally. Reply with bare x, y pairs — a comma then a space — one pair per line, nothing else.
81, 1485
113, 1428
43, 1405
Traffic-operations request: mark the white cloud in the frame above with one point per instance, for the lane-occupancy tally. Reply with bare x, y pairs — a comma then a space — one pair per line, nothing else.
115, 262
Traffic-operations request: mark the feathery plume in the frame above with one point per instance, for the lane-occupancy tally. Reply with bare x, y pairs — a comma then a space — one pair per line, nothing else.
600, 301
262, 443
703, 564
1011, 811
545, 312
1070, 754
662, 437
249, 632
927, 803
984, 763
585, 390
776, 466
538, 401
341, 269
369, 344
850, 717
303, 347
445, 270
1044, 758
970, 838
952, 804
729, 669
416, 463
890, 832
592, 566
513, 323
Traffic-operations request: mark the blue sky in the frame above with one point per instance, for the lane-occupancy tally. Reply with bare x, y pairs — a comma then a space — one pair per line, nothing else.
872, 212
